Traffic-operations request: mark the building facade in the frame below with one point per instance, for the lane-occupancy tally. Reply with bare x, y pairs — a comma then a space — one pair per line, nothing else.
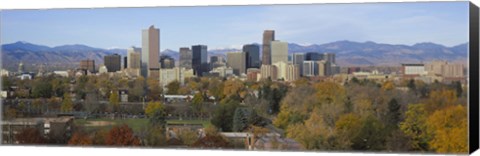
268, 37
237, 61
113, 62
199, 59
88, 65
150, 52
252, 55
298, 59
185, 60
279, 52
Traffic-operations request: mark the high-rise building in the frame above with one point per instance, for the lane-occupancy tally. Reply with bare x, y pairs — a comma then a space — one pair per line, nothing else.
185, 58
298, 59
268, 72
329, 57
237, 60
167, 62
113, 62
216, 61
88, 65
292, 72
150, 52
133, 58
125, 60
324, 68
268, 37
253, 55
279, 52
313, 56
310, 68
199, 59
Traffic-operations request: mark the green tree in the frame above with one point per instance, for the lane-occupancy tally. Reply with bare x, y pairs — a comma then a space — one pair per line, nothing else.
158, 118
393, 114
223, 114
242, 118
67, 103
42, 89
197, 103
371, 135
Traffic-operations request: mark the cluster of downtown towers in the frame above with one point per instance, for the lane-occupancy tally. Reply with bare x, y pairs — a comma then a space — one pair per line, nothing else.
146, 59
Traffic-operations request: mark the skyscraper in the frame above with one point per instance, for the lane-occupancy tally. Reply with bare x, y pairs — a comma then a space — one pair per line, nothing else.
113, 62
150, 52
133, 58
185, 58
125, 60
88, 65
298, 59
313, 56
310, 68
268, 37
279, 52
199, 59
253, 55
167, 62
329, 57
237, 60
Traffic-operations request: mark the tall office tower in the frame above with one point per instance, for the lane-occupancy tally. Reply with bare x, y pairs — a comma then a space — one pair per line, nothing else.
125, 60
298, 59
313, 56
113, 62
268, 37
185, 58
150, 52
167, 62
324, 68
310, 68
199, 59
88, 65
330, 57
133, 58
279, 51
253, 55
237, 60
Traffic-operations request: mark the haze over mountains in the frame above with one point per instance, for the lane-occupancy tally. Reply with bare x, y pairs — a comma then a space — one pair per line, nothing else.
348, 53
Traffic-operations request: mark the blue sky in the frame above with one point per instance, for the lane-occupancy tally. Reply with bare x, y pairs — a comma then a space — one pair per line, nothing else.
231, 26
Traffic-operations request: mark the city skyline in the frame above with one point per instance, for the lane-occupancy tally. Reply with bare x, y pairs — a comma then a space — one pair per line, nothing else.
442, 23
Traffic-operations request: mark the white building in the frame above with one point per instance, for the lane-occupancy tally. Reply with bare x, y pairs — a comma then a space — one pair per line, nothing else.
174, 74
279, 51
61, 73
413, 69
4, 72
223, 71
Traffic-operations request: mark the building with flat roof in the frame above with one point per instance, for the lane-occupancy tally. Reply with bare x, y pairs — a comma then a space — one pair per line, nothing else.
252, 52
150, 52
113, 62
279, 51
268, 37
199, 59
237, 60
88, 65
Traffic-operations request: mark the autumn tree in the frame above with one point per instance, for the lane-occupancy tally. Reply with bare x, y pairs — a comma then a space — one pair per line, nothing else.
121, 136
313, 134
114, 101
80, 138
137, 89
371, 135
197, 103
188, 137
439, 99
67, 103
152, 107
30, 136
212, 139
449, 128
346, 129
173, 87
154, 89
158, 118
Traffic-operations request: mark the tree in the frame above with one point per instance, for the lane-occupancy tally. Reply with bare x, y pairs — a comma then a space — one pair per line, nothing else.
30, 136
223, 114
458, 88
197, 103
212, 139
154, 89
173, 87
152, 107
114, 100
388, 85
439, 99
411, 85
449, 127
10, 113
67, 103
42, 89
155, 137
414, 126
80, 138
188, 137
313, 134
137, 90
371, 136
242, 118
346, 128
158, 118
91, 102
121, 136
393, 114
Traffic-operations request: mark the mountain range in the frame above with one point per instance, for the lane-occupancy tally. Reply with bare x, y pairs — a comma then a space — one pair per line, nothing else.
348, 53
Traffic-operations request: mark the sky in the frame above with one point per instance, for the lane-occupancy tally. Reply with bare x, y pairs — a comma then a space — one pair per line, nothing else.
221, 27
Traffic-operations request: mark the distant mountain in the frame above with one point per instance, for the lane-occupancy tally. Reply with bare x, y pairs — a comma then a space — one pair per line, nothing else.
348, 53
